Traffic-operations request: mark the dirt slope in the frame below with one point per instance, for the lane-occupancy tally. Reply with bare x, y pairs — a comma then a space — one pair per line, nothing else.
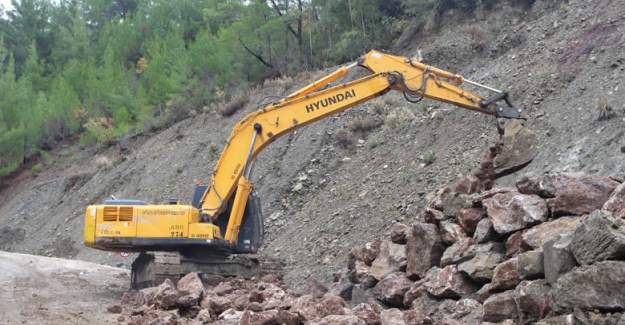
45, 290
557, 58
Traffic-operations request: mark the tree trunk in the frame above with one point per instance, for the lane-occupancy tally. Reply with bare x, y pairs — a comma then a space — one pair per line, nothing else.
351, 14
300, 38
297, 33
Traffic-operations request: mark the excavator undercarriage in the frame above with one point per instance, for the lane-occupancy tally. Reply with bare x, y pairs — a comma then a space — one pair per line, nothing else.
152, 268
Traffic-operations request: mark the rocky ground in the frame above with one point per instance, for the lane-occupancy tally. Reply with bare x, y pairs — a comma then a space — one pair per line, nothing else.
550, 250
45, 290
558, 59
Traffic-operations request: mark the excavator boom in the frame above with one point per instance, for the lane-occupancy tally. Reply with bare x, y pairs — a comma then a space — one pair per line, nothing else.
310, 104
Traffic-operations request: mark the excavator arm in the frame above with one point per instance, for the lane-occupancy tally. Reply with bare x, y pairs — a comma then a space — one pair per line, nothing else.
319, 100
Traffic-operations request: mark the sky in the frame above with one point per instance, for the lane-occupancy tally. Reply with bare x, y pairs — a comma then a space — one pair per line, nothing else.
6, 4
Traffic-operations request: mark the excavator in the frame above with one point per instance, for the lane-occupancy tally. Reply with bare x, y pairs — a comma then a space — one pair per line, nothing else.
222, 229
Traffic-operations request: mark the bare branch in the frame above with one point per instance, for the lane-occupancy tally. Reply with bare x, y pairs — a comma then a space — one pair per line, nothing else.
256, 55
288, 26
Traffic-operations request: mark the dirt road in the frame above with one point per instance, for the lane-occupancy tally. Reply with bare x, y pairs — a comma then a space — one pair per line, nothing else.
44, 290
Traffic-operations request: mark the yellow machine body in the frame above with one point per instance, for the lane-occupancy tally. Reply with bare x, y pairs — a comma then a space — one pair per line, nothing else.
140, 227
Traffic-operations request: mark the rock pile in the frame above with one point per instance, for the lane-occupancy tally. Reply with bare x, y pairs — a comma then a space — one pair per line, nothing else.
549, 251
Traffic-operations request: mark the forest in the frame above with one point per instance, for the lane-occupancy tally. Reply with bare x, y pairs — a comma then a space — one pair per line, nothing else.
93, 71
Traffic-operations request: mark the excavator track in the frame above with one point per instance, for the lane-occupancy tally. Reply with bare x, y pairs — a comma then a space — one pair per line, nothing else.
152, 268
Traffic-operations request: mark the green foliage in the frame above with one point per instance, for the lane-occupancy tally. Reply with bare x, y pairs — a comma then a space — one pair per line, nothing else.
46, 157
36, 168
12, 148
101, 69
429, 158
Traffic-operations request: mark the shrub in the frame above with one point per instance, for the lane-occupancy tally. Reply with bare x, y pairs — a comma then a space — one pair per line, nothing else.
429, 158
344, 138
399, 118
46, 157
478, 38
284, 82
375, 141
236, 103
364, 124
99, 131
103, 162
37, 168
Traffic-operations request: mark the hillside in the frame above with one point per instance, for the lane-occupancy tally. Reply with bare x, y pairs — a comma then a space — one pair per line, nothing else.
557, 58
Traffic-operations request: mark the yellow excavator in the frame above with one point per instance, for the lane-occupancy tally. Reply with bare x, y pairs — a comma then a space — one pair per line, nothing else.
223, 227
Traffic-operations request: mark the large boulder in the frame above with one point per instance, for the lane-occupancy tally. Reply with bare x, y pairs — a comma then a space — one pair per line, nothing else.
215, 304
569, 319
416, 317
468, 218
431, 215
361, 273
229, 316
334, 320
399, 233
391, 289
505, 276
448, 282
616, 202
465, 250
515, 245
532, 299
133, 298
513, 211
366, 253
361, 295
483, 293
451, 232
367, 313
537, 236
270, 317
425, 309
417, 289
531, 265
484, 231
569, 194
481, 267
558, 258
164, 296
444, 314
424, 249
342, 287
450, 202
599, 318
310, 308
191, 289
600, 236
457, 252
468, 185
391, 258
500, 306
468, 311
598, 286
392, 316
